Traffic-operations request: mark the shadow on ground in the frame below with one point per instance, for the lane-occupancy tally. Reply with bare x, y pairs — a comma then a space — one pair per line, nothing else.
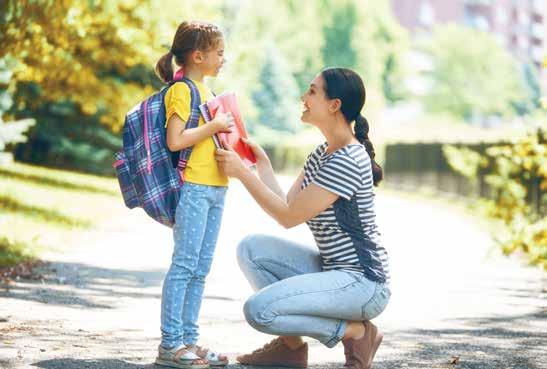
81, 285
511, 342
67, 363
496, 342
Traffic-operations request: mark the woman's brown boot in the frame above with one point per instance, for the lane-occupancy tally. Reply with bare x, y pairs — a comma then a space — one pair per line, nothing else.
360, 352
277, 353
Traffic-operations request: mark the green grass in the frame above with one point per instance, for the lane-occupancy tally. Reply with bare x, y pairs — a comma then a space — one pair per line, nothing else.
15, 206
12, 253
43, 209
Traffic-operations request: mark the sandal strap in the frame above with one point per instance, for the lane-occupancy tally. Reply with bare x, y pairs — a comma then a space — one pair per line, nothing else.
185, 354
206, 353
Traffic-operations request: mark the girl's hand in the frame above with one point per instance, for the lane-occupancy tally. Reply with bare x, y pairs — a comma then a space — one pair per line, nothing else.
229, 162
260, 154
223, 122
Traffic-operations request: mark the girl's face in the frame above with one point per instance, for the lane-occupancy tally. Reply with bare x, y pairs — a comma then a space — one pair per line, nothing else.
213, 60
316, 104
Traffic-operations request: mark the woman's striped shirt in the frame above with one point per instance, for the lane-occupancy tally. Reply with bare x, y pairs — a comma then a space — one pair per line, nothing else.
346, 232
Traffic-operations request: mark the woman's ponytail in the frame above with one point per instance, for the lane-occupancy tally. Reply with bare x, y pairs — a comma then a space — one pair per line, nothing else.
164, 67
346, 85
361, 134
361, 131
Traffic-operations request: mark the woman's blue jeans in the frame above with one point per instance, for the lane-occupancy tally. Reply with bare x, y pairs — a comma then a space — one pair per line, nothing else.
197, 224
296, 298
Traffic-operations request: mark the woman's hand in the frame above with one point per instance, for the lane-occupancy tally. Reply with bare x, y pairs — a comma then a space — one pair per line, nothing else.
229, 162
260, 154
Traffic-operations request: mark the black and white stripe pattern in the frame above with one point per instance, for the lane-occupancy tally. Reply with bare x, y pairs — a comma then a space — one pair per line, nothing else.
346, 232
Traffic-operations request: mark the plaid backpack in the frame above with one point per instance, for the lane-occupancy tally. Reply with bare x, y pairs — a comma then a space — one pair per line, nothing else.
151, 176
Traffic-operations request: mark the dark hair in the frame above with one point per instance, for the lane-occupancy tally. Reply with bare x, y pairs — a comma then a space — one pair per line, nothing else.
190, 36
346, 85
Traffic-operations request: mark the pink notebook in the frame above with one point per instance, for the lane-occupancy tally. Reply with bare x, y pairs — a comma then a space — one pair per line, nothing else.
223, 103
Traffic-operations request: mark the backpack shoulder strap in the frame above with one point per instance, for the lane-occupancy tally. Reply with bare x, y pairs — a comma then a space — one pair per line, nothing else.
182, 158
195, 101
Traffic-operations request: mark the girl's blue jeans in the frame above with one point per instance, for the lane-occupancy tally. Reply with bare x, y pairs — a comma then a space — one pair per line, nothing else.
296, 298
197, 224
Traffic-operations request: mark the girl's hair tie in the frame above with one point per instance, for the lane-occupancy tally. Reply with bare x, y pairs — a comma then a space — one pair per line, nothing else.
179, 74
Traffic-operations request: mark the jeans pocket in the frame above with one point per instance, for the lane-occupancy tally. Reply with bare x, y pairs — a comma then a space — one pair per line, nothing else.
377, 303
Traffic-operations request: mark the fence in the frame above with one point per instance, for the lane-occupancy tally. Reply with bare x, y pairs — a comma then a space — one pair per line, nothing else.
423, 165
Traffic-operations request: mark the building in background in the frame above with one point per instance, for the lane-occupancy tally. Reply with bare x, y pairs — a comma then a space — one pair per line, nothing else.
519, 25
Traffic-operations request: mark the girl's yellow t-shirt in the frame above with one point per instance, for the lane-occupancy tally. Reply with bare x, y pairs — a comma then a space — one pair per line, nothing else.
202, 167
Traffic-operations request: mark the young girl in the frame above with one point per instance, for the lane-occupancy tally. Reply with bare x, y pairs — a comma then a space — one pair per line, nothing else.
198, 50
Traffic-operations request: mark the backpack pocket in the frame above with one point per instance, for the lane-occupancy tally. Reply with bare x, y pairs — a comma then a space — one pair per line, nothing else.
127, 187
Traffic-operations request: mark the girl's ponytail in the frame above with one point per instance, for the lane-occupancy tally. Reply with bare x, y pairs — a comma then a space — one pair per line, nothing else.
164, 67
361, 134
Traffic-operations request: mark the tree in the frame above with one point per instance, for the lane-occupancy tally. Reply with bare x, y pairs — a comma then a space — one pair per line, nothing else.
543, 100
532, 91
10, 132
472, 74
337, 50
82, 51
277, 96
251, 27
79, 67
380, 43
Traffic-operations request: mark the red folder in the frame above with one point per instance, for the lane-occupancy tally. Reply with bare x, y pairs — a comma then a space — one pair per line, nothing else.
224, 103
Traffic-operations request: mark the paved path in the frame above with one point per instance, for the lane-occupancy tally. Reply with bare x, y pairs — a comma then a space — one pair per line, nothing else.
98, 304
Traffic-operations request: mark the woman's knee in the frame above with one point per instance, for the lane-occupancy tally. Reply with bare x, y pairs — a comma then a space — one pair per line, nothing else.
254, 311
247, 245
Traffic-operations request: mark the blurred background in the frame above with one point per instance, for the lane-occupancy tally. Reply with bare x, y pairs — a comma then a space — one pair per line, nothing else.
454, 99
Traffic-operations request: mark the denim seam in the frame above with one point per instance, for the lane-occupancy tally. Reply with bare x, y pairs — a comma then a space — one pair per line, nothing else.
261, 268
365, 305
331, 342
273, 261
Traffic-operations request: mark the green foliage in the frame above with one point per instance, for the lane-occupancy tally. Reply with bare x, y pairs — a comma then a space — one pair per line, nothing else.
337, 49
288, 157
13, 252
472, 74
10, 132
87, 146
77, 50
543, 100
301, 40
515, 172
463, 160
391, 80
366, 37
79, 66
381, 44
532, 91
277, 99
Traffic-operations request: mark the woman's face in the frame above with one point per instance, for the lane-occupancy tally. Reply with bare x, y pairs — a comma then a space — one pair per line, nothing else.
315, 104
